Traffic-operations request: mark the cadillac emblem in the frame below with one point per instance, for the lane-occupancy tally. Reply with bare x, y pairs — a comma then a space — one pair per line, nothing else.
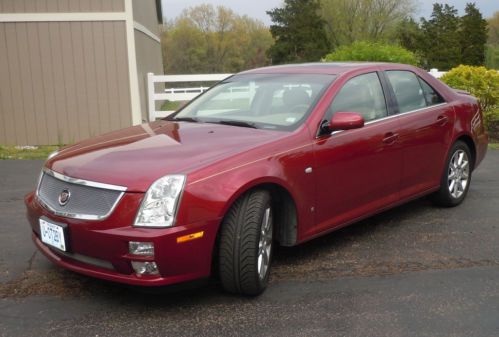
64, 197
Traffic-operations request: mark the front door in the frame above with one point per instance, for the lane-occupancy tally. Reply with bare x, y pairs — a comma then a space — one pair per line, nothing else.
357, 171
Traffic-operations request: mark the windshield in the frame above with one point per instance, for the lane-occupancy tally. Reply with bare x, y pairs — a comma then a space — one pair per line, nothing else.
263, 101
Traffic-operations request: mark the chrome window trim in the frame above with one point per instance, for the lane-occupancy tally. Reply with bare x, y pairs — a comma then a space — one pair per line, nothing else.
84, 183
405, 113
395, 115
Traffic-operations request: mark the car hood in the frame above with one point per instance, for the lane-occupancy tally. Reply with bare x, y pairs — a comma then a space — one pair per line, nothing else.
137, 156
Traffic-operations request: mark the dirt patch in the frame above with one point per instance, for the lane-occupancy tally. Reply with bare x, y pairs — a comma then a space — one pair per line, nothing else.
61, 283
58, 283
353, 268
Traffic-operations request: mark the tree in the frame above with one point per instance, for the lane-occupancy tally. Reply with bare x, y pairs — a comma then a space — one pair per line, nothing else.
215, 26
493, 24
473, 35
298, 31
351, 20
492, 49
205, 39
373, 51
410, 35
492, 56
446, 40
253, 40
184, 48
441, 43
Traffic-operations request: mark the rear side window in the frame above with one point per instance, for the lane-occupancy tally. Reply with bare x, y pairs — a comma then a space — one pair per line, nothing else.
362, 94
431, 96
407, 89
411, 91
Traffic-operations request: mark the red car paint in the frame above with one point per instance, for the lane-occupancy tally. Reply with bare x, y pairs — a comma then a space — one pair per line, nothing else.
333, 180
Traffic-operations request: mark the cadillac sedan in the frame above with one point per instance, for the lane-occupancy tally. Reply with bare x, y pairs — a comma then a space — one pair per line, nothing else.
271, 156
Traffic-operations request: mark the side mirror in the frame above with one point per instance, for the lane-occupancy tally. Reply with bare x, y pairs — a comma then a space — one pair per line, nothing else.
345, 121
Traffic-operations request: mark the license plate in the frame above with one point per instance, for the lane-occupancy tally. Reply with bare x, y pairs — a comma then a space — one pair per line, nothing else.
52, 235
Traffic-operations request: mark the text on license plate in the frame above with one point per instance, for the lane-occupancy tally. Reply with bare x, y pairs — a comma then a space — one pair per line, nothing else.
52, 235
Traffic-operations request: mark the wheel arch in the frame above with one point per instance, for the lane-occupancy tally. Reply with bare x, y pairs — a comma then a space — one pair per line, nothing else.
468, 140
284, 205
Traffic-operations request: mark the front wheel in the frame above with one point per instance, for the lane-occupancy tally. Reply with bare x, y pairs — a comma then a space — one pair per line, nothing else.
245, 251
456, 178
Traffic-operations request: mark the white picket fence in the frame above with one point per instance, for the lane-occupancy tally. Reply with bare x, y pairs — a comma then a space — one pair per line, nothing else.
436, 73
186, 94
176, 94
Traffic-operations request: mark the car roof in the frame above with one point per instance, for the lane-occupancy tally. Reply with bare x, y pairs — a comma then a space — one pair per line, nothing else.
333, 68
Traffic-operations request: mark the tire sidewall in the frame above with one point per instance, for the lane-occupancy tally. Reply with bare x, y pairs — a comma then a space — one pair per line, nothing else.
238, 248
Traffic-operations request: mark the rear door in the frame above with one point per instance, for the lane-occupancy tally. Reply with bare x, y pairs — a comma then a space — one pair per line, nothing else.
426, 129
357, 171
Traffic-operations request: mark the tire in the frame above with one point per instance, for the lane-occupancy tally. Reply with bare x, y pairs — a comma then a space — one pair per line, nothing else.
244, 266
456, 178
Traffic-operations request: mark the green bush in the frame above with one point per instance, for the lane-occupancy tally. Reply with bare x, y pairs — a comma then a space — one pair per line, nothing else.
482, 83
373, 51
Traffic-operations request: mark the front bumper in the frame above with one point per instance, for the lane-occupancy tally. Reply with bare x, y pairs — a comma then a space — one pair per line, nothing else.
100, 248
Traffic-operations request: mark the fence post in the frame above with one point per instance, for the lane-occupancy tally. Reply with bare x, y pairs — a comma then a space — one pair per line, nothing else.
151, 102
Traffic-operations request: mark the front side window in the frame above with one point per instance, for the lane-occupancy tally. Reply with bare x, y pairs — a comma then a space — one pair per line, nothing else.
267, 101
362, 94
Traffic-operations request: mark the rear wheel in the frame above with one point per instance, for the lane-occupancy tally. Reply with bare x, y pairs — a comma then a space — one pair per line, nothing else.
456, 179
245, 251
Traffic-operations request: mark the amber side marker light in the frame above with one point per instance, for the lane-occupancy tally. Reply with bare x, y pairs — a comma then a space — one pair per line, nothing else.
190, 237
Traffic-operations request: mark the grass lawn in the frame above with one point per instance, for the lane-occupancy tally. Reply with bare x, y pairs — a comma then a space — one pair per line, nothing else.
494, 146
170, 106
26, 152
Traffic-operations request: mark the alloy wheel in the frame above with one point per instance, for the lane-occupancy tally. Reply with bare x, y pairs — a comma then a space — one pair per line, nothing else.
458, 174
265, 243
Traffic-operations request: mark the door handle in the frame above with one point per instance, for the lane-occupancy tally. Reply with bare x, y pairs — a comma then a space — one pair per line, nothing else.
390, 138
442, 120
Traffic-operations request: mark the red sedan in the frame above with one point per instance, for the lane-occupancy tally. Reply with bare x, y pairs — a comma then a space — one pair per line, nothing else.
276, 155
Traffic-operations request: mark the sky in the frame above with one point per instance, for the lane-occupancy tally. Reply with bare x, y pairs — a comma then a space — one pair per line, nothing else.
257, 8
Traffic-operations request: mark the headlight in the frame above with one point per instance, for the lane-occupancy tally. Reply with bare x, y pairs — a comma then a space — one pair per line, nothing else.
159, 207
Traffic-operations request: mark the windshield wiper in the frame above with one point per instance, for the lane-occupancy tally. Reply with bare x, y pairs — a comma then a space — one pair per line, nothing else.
236, 123
185, 119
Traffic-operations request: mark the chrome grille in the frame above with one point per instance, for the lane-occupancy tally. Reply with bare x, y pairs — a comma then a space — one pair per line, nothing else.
85, 202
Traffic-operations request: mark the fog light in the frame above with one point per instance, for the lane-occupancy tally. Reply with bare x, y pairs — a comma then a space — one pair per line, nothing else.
145, 268
141, 248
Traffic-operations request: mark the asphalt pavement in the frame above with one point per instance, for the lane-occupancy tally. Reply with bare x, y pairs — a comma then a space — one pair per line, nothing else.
416, 270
